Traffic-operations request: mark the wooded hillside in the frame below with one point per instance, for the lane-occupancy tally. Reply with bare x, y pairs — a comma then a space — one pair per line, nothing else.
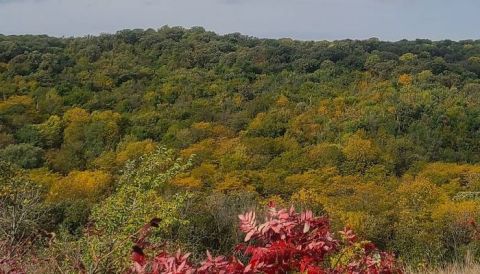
104, 133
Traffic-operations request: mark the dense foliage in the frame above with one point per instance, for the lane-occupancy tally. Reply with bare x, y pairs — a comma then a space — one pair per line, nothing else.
287, 242
99, 134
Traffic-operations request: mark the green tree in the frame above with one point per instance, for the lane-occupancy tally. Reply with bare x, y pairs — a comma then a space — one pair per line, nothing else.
23, 155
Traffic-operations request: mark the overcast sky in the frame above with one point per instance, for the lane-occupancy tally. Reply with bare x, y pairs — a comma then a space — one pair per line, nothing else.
300, 19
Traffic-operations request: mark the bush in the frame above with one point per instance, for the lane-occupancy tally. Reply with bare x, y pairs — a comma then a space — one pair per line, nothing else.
23, 155
286, 242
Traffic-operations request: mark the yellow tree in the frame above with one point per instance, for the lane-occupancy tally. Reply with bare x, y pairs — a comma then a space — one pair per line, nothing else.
405, 79
360, 154
80, 185
133, 150
416, 236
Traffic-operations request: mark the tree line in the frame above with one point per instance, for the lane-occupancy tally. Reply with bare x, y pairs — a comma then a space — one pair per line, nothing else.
106, 132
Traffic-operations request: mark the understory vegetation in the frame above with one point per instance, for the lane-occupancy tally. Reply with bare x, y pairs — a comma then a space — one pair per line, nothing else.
101, 134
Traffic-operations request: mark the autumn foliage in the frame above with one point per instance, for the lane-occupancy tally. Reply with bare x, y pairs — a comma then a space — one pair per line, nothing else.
287, 242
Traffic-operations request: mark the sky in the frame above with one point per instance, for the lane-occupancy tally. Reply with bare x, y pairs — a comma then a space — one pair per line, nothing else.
298, 19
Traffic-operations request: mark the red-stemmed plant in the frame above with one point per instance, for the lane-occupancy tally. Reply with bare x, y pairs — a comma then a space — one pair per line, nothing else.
286, 242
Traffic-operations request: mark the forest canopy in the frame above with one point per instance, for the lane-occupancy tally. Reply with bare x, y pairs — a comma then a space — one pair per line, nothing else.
112, 130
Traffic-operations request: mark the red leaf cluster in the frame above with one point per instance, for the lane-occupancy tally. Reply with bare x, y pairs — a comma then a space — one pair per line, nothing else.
285, 242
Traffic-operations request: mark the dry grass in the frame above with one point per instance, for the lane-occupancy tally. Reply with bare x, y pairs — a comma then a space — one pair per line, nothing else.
468, 266
453, 269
